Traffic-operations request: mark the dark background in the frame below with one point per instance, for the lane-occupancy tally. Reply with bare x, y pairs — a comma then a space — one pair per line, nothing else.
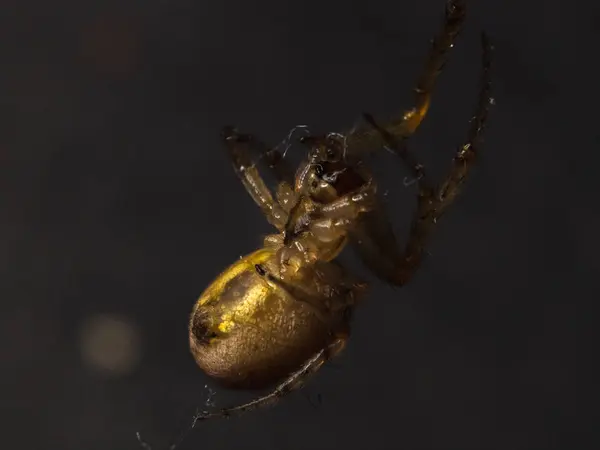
119, 206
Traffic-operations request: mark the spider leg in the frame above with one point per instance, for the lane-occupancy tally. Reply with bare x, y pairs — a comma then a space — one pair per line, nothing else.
240, 148
372, 236
367, 140
416, 169
351, 205
436, 59
275, 162
336, 290
465, 157
293, 382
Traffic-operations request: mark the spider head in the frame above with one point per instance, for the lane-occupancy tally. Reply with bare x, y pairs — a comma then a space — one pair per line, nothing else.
328, 148
331, 174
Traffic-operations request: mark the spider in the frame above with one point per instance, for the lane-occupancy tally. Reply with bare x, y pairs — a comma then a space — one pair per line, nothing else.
273, 318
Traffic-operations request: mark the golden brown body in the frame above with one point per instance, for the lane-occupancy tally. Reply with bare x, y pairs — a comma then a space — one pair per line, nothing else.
247, 332
278, 314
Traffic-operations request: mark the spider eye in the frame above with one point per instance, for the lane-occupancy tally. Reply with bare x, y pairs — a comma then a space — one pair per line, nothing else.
319, 171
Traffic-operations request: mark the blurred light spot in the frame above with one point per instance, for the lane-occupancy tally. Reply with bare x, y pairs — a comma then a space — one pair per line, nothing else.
110, 345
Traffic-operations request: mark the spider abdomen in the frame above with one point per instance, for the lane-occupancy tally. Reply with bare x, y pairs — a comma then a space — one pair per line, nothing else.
247, 333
